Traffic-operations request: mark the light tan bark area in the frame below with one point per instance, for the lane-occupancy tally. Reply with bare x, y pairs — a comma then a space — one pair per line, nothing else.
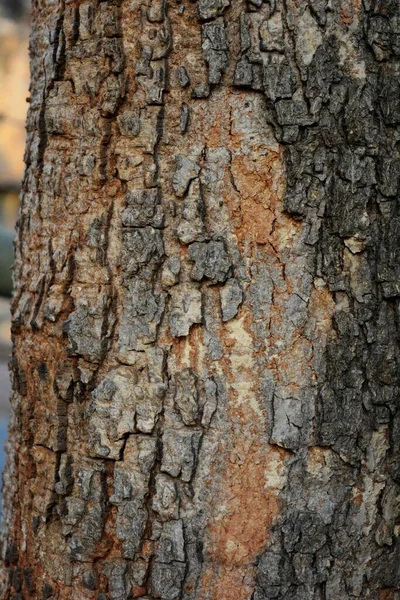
204, 383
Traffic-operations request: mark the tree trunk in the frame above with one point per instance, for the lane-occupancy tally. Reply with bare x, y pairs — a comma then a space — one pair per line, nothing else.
206, 304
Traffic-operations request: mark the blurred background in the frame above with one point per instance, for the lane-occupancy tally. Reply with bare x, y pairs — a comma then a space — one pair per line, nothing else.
14, 78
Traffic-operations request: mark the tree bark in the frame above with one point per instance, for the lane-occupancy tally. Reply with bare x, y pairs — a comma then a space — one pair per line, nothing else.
206, 308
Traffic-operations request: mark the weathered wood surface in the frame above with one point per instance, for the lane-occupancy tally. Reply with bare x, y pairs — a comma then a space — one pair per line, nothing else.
206, 306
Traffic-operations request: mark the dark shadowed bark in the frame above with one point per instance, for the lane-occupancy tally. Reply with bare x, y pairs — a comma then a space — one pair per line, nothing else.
207, 304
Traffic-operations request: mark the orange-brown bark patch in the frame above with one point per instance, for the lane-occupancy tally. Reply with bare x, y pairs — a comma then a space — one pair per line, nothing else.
389, 594
241, 534
248, 502
257, 183
349, 11
249, 505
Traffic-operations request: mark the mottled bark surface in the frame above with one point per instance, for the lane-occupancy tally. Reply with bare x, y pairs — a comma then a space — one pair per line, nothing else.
206, 307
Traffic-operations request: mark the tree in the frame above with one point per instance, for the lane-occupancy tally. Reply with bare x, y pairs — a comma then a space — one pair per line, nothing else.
205, 316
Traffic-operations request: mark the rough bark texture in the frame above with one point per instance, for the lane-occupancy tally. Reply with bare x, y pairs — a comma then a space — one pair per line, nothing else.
206, 306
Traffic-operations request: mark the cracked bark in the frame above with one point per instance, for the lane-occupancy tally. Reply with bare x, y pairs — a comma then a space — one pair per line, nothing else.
205, 318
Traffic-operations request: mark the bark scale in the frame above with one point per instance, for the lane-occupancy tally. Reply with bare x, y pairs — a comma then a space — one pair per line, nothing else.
206, 304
